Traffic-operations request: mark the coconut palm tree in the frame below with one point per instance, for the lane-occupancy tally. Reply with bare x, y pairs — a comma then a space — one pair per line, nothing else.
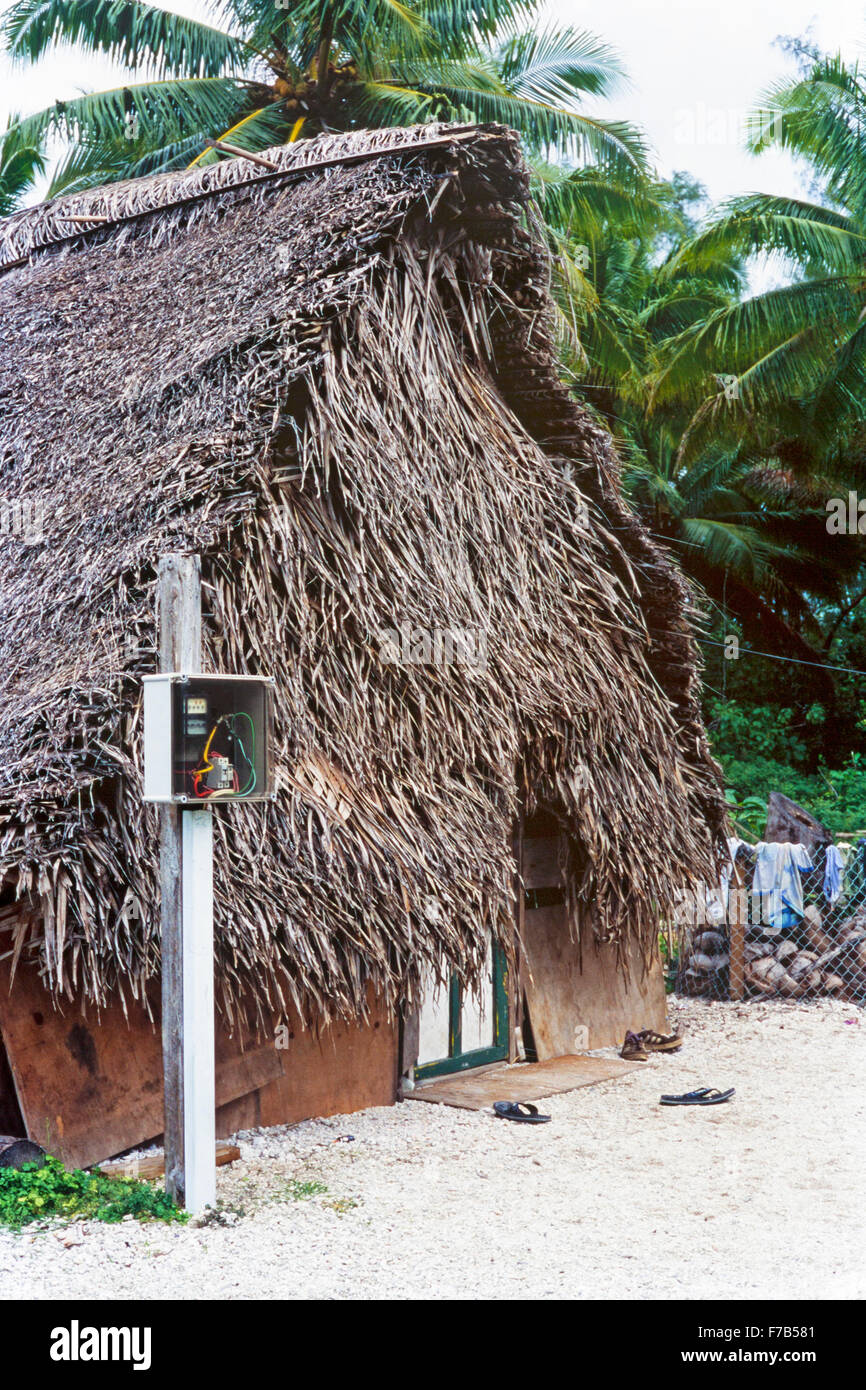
21, 163
270, 71
741, 509
608, 239
766, 392
797, 352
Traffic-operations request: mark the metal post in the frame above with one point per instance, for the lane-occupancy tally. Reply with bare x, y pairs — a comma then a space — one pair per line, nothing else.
199, 1130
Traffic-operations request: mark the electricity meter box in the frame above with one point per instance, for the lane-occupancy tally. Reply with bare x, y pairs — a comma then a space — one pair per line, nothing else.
207, 739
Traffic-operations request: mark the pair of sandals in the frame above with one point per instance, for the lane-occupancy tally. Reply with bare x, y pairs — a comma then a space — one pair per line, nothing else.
638, 1046
526, 1114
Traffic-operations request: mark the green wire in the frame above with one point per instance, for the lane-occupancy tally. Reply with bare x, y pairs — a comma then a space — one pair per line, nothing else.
251, 782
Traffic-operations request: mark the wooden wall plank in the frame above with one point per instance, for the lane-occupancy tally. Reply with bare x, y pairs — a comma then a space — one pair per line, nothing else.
90, 1087
243, 1113
87, 1088
348, 1067
564, 1000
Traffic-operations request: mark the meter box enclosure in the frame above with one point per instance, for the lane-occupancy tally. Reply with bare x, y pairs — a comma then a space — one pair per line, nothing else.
207, 739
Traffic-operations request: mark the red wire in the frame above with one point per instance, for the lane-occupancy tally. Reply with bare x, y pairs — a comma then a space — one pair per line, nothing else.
196, 778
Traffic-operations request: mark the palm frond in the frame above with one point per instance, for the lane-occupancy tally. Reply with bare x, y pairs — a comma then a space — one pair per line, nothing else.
581, 202
91, 164
558, 66
128, 32
22, 161
741, 549
756, 223
392, 104
735, 340
170, 109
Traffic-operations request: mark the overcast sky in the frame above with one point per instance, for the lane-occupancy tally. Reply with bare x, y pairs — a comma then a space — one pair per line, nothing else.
696, 68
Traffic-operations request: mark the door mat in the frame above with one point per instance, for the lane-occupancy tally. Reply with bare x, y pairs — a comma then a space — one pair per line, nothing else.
519, 1081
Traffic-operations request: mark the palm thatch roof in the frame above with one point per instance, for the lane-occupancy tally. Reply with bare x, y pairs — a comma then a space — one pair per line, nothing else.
333, 378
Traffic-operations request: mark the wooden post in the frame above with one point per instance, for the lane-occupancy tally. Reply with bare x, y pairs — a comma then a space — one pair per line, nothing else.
737, 934
179, 613
239, 154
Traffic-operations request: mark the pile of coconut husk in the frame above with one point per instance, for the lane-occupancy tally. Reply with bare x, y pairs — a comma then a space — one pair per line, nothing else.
706, 961
814, 958
825, 954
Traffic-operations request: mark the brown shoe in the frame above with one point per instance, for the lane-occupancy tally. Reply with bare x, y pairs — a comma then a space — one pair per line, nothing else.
633, 1049
659, 1042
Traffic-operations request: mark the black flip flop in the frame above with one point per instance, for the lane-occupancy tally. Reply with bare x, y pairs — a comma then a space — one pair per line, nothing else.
520, 1111
705, 1096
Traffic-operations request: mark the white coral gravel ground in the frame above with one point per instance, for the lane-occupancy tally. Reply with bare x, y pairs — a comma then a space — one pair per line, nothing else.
617, 1197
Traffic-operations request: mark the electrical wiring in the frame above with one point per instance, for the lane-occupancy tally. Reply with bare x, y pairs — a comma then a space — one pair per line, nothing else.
206, 765
250, 761
203, 771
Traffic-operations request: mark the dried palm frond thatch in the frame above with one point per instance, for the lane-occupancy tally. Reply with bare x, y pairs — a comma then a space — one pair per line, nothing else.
333, 379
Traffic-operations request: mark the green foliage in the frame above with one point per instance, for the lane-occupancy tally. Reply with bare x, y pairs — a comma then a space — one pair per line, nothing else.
21, 162
644, 340
842, 803
760, 731
837, 796
749, 816
737, 416
759, 776
760, 752
797, 351
36, 1194
262, 75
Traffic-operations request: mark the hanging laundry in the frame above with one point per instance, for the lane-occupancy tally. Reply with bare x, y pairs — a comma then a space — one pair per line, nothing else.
834, 869
777, 881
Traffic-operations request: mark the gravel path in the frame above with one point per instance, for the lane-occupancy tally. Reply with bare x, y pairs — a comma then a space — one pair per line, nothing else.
617, 1198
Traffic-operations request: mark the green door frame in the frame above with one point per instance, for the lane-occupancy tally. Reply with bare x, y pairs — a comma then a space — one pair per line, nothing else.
457, 1060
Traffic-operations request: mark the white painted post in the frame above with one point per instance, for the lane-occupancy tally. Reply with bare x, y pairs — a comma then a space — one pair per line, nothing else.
179, 608
199, 1098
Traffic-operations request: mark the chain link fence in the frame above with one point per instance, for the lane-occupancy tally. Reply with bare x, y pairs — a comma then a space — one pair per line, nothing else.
729, 941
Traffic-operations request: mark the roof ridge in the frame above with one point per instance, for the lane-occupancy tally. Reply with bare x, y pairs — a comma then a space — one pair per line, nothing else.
47, 224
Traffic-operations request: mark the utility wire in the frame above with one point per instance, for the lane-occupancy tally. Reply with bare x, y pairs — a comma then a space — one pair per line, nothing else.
792, 660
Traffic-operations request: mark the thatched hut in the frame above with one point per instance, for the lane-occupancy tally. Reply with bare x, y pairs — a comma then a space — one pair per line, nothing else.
331, 375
